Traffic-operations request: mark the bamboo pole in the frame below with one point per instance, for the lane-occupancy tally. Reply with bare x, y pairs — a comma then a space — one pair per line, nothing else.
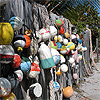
91, 51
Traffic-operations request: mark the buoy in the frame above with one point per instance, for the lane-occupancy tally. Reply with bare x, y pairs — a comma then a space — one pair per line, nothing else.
5, 87
6, 33
68, 92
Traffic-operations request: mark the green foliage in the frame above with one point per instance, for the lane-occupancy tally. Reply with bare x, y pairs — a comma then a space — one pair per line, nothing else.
80, 13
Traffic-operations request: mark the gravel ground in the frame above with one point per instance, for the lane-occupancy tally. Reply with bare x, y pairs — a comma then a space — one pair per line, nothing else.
90, 89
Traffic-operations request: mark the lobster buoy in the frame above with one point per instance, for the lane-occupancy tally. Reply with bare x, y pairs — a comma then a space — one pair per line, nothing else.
6, 54
16, 22
80, 41
59, 45
66, 35
75, 76
46, 56
19, 42
53, 31
61, 31
62, 59
77, 36
45, 34
35, 90
58, 72
34, 71
74, 38
84, 48
11, 96
28, 41
14, 80
63, 50
79, 56
73, 64
64, 68
25, 65
53, 45
6, 33
28, 32
59, 22
17, 61
68, 92
71, 60
58, 38
65, 41
19, 73
55, 55
71, 45
56, 86
5, 87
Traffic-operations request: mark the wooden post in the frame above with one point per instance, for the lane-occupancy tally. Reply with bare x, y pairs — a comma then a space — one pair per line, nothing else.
91, 52
97, 49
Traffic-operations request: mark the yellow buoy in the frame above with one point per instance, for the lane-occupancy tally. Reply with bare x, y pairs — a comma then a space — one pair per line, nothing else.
11, 96
66, 34
6, 33
71, 45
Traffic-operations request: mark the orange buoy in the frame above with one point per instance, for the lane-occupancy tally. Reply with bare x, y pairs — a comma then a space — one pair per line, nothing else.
68, 92
28, 41
62, 30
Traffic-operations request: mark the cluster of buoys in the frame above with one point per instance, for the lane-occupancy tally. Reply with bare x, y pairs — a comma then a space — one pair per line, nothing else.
11, 45
54, 44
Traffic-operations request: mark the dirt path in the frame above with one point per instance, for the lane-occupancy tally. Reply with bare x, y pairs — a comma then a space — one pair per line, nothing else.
90, 89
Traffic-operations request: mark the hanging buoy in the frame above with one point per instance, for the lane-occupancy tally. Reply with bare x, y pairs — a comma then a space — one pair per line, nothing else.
62, 59
55, 55
35, 90
64, 68
63, 50
25, 65
66, 35
19, 74
74, 38
71, 45
13, 79
28, 32
68, 92
65, 41
28, 41
71, 60
34, 71
6, 33
58, 38
75, 76
17, 61
61, 31
58, 72
6, 54
79, 56
5, 87
84, 48
45, 34
46, 56
19, 42
56, 86
16, 22
53, 45
59, 22
11, 96
59, 45
53, 31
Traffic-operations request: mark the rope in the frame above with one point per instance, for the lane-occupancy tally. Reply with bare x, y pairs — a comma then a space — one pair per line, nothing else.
51, 85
